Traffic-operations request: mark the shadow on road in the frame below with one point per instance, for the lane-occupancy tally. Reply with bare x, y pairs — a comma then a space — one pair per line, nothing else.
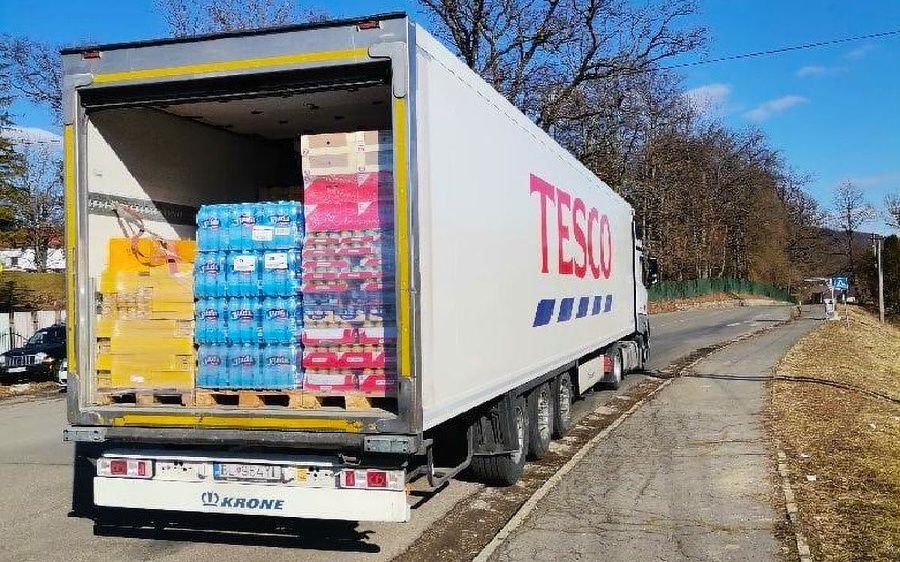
336, 536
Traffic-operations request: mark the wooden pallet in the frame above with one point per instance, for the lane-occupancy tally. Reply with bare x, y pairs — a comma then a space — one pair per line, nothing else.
291, 399
249, 399
144, 397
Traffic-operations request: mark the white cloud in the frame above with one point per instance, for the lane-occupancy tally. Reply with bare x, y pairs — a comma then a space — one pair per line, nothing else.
875, 180
32, 136
708, 98
812, 70
859, 53
772, 107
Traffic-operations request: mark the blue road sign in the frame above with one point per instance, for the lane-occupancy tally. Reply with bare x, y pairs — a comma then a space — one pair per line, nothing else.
840, 283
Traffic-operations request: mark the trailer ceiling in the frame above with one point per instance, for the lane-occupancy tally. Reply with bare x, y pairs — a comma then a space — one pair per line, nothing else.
279, 117
283, 83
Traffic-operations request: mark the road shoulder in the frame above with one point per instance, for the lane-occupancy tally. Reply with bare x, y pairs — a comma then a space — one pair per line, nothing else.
688, 476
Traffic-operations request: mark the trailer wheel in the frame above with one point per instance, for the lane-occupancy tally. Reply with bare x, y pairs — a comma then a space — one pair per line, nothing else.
541, 405
505, 470
562, 411
615, 378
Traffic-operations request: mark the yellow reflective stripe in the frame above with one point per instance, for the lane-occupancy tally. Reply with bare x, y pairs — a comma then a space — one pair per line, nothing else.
71, 236
402, 234
200, 420
224, 66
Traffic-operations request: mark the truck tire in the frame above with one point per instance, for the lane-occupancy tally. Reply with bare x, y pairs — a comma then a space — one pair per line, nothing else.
506, 469
540, 402
645, 354
562, 411
615, 378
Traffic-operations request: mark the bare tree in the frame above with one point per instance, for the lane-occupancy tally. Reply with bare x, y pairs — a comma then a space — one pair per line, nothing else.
544, 55
892, 206
35, 70
190, 17
851, 211
36, 203
10, 159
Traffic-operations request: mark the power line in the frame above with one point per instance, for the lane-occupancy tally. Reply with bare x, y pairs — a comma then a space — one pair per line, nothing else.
783, 50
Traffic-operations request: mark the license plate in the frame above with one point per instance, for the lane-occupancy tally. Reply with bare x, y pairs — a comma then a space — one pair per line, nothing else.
246, 472
16, 370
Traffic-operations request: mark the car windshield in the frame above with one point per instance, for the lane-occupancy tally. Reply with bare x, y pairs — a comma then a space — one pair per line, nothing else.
43, 336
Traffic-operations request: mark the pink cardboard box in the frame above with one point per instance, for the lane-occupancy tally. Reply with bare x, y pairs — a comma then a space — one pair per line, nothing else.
323, 337
377, 383
329, 383
320, 358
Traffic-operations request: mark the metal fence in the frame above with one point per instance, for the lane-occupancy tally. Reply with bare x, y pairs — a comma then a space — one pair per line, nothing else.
17, 327
669, 290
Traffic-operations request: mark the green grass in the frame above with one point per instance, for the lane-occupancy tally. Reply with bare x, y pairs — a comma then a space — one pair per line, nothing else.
21, 290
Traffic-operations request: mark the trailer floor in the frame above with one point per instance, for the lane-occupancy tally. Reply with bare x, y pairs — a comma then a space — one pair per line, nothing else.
35, 469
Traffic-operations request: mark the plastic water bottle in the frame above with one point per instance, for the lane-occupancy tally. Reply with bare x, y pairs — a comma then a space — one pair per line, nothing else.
225, 215
206, 320
279, 274
212, 371
244, 371
279, 363
202, 234
242, 279
287, 222
279, 321
209, 228
243, 320
209, 274
237, 316
246, 218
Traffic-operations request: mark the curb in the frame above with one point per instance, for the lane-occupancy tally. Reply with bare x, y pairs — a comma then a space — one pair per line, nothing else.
793, 511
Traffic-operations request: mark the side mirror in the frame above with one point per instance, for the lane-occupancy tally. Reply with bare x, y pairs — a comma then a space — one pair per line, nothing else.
652, 271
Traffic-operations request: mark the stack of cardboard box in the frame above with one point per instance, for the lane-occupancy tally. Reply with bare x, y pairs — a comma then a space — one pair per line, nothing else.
347, 263
145, 330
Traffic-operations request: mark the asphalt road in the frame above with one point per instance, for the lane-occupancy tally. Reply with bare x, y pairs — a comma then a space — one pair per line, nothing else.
35, 474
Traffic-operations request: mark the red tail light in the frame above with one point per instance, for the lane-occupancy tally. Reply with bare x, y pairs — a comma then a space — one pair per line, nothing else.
349, 478
376, 479
127, 468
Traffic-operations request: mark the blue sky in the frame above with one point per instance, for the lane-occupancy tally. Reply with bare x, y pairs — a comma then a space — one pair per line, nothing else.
833, 112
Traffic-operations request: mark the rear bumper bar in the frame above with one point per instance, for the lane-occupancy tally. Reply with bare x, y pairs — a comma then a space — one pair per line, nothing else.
253, 499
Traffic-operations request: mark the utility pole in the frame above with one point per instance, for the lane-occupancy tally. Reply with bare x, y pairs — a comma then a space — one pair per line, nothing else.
878, 243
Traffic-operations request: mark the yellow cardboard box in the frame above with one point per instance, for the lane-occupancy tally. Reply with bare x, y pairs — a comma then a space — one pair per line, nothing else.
147, 253
161, 380
145, 363
111, 326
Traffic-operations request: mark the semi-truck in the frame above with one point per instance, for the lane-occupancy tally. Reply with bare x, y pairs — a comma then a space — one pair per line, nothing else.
520, 276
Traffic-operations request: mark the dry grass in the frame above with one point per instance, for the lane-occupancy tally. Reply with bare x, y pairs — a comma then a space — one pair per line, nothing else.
849, 441
27, 389
714, 300
21, 290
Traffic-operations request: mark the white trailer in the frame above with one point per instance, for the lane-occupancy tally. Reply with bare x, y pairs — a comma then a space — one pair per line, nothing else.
520, 278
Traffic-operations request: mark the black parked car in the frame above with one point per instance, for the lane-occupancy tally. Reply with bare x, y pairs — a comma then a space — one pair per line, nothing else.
38, 359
